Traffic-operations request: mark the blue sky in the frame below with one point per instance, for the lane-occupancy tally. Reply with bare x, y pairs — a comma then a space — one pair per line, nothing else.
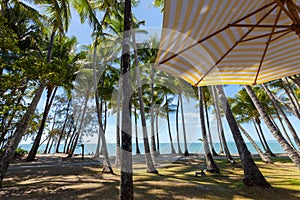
153, 17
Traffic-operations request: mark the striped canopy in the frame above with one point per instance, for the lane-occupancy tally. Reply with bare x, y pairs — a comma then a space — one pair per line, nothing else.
213, 42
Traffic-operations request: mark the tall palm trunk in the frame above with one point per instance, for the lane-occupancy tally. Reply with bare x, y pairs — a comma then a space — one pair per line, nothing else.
186, 151
153, 146
220, 125
269, 151
64, 126
210, 163
169, 127
98, 150
253, 176
137, 151
294, 156
296, 80
149, 161
293, 95
213, 151
50, 97
290, 109
8, 154
99, 113
264, 157
126, 188
157, 136
78, 131
289, 91
177, 128
118, 124
259, 136
287, 121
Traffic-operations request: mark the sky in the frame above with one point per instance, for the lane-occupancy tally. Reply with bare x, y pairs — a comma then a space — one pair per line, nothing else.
154, 18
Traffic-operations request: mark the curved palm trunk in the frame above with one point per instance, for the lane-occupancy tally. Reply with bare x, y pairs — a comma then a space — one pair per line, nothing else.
64, 126
253, 176
291, 110
186, 151
284, 129
47, 145
8, 154
169, 127
264, 157
269, 151
210, 163
289, 91
149, 161
213, 151
294, 156
78, 131
259, 136
177, 128
296, 80
50, 97
226, 149
293, 95
99, 150
219, 122
99, 115
287, 121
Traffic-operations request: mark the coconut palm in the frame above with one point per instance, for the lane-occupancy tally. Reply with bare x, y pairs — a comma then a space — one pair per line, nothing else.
220, 126
208, 100
252, 174
245, 110
59, 20
294, 156
149, 160
210, 163
265, 158
279, 109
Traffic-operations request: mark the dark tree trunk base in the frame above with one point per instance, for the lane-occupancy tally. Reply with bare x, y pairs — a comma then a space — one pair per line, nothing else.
152, 172
186, 153
256, 183
213, 170
108, 170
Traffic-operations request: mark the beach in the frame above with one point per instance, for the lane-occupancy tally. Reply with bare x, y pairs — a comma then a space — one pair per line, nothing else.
53, 176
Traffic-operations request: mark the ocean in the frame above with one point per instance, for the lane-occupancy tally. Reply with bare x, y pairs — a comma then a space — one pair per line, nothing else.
165, 148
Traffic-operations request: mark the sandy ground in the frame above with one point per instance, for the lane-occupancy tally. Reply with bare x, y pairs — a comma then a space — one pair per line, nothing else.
57, 177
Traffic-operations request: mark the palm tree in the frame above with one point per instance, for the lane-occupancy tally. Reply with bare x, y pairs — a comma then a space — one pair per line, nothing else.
253, 176
177, 128
294, 156
263, 156
210, 163
279, 109
126, 189
220, 125
149, 161
169, 109
59, 20
207, 99
245, 110
182, 87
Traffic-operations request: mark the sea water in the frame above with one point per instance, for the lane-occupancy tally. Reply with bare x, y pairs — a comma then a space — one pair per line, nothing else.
165, 148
